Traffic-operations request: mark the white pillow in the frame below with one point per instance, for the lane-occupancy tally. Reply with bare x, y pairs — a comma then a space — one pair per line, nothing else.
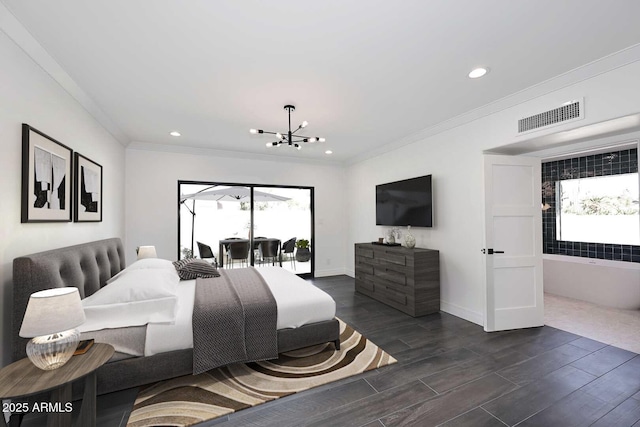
141, 296
146, 263
152, 263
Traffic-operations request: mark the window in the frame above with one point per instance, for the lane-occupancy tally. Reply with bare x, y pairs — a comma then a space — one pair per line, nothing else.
212, 214
601, 209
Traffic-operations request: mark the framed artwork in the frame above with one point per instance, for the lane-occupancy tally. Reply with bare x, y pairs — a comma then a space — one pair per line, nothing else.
87, 184
46, 178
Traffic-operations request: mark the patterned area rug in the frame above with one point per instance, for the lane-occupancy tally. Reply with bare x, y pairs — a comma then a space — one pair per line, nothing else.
192, 399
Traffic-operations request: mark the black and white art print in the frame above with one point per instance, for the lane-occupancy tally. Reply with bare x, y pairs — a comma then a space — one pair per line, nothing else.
87, 190
46, 178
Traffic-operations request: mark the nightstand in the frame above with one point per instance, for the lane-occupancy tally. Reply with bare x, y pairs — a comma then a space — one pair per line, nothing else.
23, 379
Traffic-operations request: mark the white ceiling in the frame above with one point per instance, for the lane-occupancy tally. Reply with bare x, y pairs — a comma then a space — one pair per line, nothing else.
363, 73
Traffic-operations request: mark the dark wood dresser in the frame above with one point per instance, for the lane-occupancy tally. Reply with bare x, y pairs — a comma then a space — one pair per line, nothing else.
403, 278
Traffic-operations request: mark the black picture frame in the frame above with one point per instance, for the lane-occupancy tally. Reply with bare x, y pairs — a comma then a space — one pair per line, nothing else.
47, 164
87, 189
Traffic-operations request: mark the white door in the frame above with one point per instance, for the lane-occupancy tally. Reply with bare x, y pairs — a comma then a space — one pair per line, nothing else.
513, 243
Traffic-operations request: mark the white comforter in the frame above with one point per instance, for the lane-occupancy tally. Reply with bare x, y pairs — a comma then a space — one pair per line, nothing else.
298, 301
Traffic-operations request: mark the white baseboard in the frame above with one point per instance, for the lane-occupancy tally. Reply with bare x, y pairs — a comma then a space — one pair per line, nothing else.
463, 313
334, 272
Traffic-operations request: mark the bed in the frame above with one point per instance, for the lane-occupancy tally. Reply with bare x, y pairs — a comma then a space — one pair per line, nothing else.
88, 267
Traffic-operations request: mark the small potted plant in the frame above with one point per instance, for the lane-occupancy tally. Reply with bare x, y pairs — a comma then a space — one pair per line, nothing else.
187, 253
303, 254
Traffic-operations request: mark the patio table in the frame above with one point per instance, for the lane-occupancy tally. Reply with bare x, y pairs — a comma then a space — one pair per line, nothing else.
224, 242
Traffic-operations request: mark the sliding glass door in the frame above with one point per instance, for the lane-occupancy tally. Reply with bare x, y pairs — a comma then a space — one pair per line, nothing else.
239, 225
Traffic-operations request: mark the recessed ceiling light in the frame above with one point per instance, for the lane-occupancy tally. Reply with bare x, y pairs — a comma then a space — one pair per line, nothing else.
328, 152
174, 133
478, 72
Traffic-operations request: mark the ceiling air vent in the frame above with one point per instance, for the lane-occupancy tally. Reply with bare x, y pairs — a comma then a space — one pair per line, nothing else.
568, 112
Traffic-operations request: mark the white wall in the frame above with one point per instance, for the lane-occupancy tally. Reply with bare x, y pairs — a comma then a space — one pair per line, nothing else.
454, 157
29, 95
152, 194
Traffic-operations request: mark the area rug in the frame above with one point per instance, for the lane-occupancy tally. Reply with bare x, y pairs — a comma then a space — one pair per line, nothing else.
189, 400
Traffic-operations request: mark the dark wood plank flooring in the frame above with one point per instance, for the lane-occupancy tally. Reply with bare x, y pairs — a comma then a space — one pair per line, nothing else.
451, 373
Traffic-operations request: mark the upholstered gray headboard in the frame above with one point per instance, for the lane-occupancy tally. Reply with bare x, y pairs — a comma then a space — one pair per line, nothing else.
87, 267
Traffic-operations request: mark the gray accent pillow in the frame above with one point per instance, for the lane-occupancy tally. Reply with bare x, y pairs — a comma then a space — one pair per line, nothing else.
192, 268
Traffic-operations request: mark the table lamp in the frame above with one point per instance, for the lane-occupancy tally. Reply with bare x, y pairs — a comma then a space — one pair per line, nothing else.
50, 320
147, 252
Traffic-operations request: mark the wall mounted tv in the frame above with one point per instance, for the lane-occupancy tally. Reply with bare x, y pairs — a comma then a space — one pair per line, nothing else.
406, 202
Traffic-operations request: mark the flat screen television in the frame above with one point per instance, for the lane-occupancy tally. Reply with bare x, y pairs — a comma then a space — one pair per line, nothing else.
406, 202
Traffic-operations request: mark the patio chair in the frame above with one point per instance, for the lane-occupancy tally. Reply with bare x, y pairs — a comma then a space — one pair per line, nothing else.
226, 246
256, 248
238, 251
207, 254
269, 249
287, 249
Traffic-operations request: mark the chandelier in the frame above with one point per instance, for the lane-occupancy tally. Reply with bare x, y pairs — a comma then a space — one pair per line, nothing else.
289, 138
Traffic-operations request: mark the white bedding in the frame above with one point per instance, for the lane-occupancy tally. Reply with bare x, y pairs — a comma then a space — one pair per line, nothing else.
298, 301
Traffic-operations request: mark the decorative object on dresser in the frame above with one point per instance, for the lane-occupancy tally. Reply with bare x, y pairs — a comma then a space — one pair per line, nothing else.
409, 240
392, 235
405, 279
50, 320
46, 178
87, 189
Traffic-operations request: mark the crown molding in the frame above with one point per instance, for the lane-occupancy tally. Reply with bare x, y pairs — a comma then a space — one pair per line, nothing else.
10, 25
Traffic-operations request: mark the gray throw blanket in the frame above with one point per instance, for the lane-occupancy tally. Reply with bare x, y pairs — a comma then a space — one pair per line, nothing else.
234, 320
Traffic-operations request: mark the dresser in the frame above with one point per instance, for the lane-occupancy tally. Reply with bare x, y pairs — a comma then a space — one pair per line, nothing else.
405, 279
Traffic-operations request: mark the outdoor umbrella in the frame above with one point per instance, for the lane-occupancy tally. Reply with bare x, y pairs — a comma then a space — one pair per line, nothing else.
238, 194
233, 194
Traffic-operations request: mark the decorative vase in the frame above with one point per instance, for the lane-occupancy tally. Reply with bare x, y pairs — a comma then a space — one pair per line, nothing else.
391, 238
409, 240
303, 254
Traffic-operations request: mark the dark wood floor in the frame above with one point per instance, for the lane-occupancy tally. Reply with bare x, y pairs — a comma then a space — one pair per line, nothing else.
450, 372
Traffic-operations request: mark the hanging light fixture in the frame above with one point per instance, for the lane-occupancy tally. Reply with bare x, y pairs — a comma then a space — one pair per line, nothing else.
289, 138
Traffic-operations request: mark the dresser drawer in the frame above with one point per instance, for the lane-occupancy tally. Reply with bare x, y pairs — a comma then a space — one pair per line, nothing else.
367, 285
387, 257
391, 276
386, 293
364, 252
362, 267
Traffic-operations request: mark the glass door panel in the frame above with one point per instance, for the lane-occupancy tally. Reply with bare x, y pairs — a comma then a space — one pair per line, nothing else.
212, 216
283, 215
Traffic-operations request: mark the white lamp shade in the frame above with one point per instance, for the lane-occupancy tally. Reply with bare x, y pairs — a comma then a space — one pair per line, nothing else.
147, 252
51, 311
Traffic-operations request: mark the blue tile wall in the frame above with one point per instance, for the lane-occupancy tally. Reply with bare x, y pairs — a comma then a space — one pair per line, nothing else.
613, 163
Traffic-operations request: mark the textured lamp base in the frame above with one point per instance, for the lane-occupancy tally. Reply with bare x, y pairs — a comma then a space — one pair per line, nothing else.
52, 351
